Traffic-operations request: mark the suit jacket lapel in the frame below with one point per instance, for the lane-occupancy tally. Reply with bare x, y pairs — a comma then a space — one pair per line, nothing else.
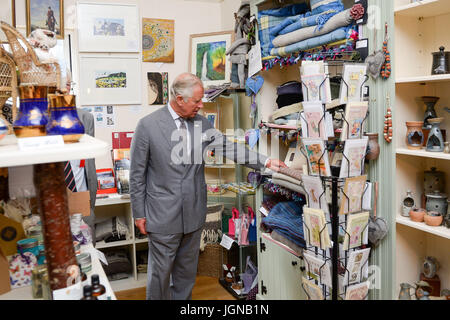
168, 126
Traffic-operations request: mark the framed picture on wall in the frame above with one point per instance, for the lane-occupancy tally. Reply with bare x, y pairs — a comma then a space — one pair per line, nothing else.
158, 40
212, 118
108, 27
45, 14
8, 14
207, 57
158, 88
107, 80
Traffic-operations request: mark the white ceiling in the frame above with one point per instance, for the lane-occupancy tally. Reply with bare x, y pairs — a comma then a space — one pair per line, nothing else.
206, 0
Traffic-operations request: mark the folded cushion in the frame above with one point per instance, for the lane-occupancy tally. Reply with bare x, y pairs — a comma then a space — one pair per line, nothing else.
289, 99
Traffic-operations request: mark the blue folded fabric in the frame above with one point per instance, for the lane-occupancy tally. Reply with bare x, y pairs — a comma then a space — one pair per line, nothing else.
287, 218
336, 35
287, 11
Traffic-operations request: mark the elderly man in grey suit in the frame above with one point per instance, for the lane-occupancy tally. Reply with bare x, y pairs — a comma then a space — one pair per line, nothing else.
168, 189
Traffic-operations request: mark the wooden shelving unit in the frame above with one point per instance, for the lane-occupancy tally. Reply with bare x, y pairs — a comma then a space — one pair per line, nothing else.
420, 29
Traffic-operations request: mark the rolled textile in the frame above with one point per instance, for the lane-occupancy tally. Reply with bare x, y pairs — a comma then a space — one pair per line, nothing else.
341, 19
281, 176
296, 174
289, 185
336, 35
282, 112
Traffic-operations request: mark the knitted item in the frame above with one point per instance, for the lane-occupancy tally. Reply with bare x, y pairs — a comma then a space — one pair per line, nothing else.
296, 174
280, 176
357, 11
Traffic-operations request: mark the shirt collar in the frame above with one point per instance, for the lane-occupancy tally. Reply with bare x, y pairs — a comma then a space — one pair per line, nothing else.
174, 115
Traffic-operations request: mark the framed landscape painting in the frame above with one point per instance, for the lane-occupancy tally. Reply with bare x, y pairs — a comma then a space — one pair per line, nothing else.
106, 80
207, 57
108, 27
45, 14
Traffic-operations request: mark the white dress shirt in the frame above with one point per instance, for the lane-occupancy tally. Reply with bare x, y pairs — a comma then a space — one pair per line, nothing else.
176, 118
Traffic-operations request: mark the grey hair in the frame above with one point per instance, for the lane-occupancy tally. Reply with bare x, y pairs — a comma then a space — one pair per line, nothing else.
184, 86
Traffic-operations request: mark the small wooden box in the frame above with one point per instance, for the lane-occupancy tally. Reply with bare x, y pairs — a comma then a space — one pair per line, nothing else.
435, 284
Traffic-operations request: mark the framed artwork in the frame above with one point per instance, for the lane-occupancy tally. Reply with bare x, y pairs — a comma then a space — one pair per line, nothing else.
45, 14
356, 232
110, 80
8, 14
352, 197
357, 291
158, 88
108, 27
314, 228
207, 57
313, 291
355, 113
352, 162
212, 118
158, 40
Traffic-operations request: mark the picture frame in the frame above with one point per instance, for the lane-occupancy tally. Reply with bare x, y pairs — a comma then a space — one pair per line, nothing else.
213, 118
158, 40
108, 27
45, 14
158, 88
207, 57
8, 14
109, 80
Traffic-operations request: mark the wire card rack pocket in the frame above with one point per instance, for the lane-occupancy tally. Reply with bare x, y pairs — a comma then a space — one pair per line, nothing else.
332, 270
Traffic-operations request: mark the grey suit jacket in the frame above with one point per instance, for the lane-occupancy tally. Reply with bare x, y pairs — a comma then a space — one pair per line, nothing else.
170, 195
87, 119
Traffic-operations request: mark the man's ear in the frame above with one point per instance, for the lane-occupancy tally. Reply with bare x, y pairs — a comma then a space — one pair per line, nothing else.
179, 100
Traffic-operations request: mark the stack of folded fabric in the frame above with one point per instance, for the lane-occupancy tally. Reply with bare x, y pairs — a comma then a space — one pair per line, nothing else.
287, 219
287, 181
212, 92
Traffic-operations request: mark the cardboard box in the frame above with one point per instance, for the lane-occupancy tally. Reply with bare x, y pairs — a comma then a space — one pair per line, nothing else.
10, 232
79, 202
5, 285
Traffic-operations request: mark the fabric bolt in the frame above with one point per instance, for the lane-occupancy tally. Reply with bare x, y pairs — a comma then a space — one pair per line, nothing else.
290, 87
336, 35
341, 19
288, 99
284, 111
296, 174
281, 176
287, 218
289, 185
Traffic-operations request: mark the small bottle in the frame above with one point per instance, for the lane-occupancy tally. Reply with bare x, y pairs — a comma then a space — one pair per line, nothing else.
98, 290
87, 293
82, 275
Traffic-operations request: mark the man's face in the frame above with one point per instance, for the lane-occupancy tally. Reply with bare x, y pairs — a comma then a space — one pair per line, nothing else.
190, 108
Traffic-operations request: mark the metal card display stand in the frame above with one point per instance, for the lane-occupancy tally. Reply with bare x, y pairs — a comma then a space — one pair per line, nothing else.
337, 263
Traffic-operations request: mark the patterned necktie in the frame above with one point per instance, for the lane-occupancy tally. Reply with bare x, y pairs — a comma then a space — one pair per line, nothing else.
69, 177
184, 135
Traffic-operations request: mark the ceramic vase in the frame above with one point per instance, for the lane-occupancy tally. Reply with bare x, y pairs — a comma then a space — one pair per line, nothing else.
64, 118
414, 135
435, 142
430, 113
374, 147
33, 116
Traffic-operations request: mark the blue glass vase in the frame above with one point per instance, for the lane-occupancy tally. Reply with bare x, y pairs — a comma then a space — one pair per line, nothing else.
33, 116
64, 118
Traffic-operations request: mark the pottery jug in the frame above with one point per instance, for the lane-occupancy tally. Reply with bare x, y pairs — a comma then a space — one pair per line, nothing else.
33, 116
64, 118
414, 135
374, 147
405, 291
435, 142
437, 201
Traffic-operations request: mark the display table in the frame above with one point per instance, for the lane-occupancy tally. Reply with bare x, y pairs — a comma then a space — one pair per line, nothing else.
25, 293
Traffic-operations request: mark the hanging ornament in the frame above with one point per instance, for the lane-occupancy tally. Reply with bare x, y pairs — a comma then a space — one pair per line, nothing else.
388, 122
386, 68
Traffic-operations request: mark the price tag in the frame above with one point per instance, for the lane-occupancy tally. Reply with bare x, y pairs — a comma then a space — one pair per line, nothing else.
226, 242
38, 143
263, 211
74, 292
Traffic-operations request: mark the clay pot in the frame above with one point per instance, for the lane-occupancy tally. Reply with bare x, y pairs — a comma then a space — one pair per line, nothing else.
414, 135
433, 219
374, 147
417, 215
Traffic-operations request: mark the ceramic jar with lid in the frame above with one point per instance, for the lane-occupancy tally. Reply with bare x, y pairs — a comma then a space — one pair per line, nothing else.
434, 180
437, 201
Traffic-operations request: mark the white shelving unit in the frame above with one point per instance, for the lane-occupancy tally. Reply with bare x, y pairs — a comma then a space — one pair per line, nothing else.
420, 29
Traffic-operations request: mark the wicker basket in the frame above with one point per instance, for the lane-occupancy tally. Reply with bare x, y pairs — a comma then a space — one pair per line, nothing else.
211, 259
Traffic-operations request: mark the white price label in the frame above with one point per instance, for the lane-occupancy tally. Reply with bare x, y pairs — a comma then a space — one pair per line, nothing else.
38, 143
74, 292
226, 242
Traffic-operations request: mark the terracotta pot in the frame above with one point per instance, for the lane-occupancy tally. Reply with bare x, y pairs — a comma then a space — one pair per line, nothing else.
433, 219
417, 215
374, 147
414, 135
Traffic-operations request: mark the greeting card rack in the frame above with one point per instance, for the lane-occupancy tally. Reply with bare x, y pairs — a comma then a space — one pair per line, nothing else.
336, 224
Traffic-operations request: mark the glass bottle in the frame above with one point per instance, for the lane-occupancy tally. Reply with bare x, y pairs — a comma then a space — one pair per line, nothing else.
82, 274
87, 293
98, 290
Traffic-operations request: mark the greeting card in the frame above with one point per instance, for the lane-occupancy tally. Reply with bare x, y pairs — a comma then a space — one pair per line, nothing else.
318, 269
315, 120
357, 266
317, 157
354, 153
354, 76
314, 228
355, 113
316, 194
352, 195
313, 291
356, 230
357, 291
316, 87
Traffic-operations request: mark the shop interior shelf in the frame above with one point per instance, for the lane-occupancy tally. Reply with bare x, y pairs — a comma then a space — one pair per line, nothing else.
440, 231
87, 148
424, 154
103, 244
424, 8
112, 199
283, 246
424, 79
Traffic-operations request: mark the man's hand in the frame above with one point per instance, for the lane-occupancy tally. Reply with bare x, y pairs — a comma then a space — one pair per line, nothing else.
140, 223
275, 165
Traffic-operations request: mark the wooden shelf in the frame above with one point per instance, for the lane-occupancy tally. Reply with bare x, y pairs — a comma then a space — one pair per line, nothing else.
424, 154
424, 9
103, 244
424, 79
113, 199
440, 231
87, 148
220, 166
